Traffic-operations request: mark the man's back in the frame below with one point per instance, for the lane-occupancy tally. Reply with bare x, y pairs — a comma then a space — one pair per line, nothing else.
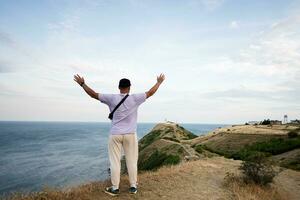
125, 117
123, 129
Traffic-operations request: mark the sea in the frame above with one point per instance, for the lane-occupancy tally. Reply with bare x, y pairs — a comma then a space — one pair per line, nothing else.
34, 155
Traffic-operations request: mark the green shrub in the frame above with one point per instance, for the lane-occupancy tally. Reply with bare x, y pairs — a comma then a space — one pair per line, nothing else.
153, 162
245, 153
272, 147
278, 145
220, 152
266, 122
191, 136
199, 148
294, 133
180, 150
171, 160
158, 159
256, 169
149, 138
294, 164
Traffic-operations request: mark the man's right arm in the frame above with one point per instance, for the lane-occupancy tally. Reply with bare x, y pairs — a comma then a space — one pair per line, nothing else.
160, 79
87, 89
90, 92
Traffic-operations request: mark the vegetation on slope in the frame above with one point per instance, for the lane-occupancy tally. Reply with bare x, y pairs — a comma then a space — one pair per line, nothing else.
199, 148
158, 159
294, 133
272, 147
162, 146
149, 139
293, 164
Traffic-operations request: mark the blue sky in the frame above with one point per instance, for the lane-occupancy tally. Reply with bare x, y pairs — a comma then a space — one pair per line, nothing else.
225, 61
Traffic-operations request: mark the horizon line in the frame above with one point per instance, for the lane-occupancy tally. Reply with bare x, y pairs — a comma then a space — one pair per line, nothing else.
146, 122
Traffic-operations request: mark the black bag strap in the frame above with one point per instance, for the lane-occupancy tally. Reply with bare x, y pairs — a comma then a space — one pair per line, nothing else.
110, 116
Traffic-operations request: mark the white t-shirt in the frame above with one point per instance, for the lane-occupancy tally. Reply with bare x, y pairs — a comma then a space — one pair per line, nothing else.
125, 117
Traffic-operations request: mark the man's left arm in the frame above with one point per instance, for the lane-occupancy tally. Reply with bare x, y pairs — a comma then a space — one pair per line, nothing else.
160, 79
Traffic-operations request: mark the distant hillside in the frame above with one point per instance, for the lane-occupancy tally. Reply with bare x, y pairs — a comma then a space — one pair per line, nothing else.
239, 141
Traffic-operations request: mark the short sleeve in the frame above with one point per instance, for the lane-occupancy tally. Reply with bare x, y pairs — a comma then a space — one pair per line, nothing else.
105, 98
139, 98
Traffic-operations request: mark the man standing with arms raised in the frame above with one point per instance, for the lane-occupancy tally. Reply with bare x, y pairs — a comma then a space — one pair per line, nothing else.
123, 114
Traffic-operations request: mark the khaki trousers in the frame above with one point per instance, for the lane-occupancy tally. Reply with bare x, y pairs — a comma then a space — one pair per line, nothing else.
129, 143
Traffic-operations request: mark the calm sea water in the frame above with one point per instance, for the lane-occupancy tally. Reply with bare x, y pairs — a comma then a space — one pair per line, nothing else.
59, 154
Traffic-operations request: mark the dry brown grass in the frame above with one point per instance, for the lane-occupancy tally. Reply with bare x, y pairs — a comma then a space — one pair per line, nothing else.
202, 179
258, 129
264, 130
242, 191
85, 191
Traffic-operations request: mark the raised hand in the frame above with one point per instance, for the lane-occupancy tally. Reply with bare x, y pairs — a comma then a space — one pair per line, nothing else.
160, 78
78, 79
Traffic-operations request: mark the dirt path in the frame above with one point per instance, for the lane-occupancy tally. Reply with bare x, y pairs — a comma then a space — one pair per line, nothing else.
201, 180
288, 184
192, 154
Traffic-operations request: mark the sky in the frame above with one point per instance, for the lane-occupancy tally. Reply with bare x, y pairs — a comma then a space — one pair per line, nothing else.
225, 61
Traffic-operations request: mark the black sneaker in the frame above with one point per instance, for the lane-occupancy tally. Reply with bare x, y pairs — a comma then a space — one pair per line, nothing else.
111, 191
132, 190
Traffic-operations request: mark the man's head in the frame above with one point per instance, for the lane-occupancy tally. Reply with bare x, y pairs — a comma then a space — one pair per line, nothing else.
124, 85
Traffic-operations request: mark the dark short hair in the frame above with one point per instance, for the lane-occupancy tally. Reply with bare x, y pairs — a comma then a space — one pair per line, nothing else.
124, 83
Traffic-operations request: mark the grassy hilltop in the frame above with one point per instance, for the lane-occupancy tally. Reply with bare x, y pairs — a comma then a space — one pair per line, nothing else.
176, 164
278, 142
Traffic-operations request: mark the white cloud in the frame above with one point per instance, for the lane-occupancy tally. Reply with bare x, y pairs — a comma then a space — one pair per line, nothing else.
275, 53
234, 24
270, 67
